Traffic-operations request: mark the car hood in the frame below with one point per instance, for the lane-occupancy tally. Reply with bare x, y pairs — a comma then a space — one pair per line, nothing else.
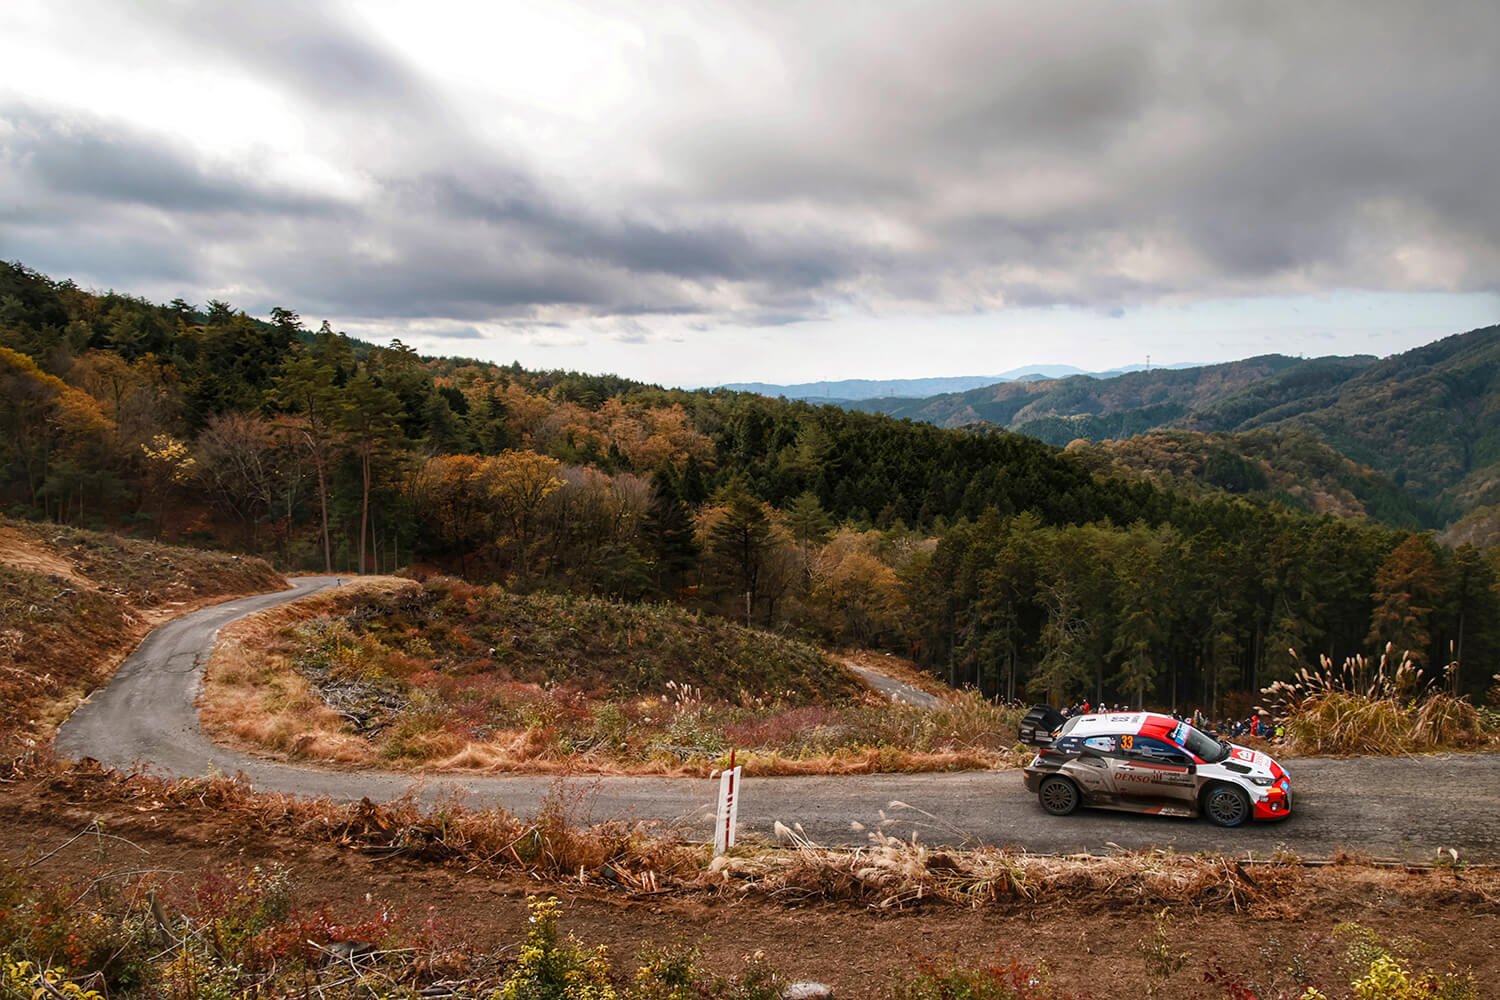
1258, 764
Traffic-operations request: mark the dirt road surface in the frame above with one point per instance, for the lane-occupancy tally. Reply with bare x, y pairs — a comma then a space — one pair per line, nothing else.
896, 690
1406, 808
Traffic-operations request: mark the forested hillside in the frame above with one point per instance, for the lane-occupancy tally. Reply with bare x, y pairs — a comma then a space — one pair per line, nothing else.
1428, 420
1292, 467
994, 559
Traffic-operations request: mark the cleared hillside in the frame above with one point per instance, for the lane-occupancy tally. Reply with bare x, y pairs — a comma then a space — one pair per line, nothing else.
451, 677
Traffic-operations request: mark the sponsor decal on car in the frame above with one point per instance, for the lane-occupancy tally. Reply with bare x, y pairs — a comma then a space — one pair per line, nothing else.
1154, 775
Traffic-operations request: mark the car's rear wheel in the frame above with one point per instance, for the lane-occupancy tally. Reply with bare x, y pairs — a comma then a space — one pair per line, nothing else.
1225, 805
1058, 796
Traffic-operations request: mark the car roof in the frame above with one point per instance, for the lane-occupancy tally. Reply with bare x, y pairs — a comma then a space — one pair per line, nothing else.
1114, 723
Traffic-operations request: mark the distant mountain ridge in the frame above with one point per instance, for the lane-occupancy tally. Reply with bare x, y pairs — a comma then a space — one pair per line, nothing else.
856, 389
1428, 419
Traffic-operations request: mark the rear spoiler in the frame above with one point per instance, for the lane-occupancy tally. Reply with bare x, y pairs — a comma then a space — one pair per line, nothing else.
1039, 725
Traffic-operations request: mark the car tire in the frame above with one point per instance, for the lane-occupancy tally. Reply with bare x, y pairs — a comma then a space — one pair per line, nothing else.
1058, 796
1226, 806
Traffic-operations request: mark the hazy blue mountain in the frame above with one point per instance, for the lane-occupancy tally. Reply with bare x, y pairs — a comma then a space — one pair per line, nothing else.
854, 389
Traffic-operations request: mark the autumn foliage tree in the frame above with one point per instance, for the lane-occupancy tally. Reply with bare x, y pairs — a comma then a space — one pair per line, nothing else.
519, 484
48, 427
856, 595
453, 494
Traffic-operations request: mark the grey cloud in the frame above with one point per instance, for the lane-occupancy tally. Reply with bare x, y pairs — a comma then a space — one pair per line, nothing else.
939, 153
693, 251
75, 157
303, 46
107, 256
454, 333
1259, 139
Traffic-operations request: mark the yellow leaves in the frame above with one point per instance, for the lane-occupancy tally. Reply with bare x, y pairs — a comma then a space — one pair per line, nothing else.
37, 408
547, 968
27, 979
79, 414
15, 363
168, 459
522, 479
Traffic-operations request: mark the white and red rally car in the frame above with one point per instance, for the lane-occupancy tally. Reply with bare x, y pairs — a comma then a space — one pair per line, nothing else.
1148, 763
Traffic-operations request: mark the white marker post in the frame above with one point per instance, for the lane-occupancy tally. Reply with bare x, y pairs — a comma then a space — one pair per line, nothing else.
727, 816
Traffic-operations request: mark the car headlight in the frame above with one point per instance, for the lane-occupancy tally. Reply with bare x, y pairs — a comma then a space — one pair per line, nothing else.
1264, 782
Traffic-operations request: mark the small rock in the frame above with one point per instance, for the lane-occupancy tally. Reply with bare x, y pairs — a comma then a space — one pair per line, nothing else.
348, 951
807, 991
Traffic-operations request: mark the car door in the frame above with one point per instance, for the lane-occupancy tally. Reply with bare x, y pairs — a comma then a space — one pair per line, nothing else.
1148, 768
1091, 769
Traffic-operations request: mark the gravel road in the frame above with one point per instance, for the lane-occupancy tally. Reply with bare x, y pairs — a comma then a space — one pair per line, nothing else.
1405, 808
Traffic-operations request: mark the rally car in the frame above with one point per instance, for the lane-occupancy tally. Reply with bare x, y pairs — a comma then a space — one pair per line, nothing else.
1149, 763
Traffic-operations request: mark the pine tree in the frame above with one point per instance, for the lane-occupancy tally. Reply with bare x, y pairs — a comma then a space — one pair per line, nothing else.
369, 416
739, 540
668, 530
1406, 586
306, 387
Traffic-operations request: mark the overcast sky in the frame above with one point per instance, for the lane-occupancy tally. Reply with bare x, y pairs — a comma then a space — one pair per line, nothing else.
779, 191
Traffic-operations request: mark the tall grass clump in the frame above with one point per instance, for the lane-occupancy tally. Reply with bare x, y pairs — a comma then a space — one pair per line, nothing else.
1385, 707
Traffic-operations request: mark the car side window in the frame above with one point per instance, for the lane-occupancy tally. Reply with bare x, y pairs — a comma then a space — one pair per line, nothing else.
1151, 748
1103, 744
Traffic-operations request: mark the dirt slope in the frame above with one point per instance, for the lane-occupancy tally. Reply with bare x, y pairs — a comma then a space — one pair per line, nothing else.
1092, 947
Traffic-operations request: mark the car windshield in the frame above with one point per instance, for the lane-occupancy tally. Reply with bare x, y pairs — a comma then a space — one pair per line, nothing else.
1206, 747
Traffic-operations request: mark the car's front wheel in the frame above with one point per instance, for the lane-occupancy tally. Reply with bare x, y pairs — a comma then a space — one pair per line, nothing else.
1059, 796
1225, 805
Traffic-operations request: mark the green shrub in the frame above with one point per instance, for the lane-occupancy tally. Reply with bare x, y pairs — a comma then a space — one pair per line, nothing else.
549, 969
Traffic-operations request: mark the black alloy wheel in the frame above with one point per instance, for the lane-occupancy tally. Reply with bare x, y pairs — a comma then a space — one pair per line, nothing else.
1059, 796
1226, 806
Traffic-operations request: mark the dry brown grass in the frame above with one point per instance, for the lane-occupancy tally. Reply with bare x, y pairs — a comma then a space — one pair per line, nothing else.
893, 873
256, 700
549, 844
253, 700
889, 873
1379, 708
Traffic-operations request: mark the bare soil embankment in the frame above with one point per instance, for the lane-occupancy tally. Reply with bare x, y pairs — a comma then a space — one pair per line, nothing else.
73, 603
